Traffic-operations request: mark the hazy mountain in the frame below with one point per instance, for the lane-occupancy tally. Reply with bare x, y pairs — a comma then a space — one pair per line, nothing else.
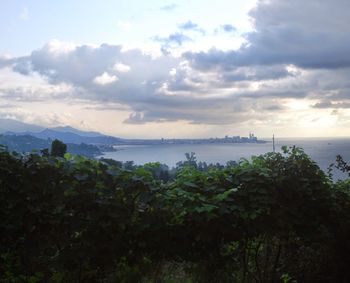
66, 134
66, 137
68, 129
9, 125
71, 137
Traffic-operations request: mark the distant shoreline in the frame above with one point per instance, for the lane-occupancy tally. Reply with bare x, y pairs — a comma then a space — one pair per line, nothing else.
225, 140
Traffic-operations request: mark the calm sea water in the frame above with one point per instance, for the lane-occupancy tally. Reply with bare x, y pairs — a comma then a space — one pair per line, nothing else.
322, 150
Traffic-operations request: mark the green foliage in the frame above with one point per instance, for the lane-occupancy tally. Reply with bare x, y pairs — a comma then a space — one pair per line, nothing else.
23, 143
342, 165
28, 143
277, 218
58, 148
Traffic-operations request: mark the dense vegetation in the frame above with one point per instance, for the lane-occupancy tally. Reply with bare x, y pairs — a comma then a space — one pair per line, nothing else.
278, 218
28, 143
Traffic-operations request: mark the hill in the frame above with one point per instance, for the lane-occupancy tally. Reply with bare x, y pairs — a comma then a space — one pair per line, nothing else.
66, 134
28, 143
10, 125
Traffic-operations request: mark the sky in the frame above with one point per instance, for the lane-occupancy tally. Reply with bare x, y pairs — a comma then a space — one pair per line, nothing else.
177, 69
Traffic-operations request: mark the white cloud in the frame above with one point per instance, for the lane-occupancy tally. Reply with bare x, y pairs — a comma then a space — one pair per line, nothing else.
172, 72
121, 68
166, 88
5, 56
105, 79
57, 47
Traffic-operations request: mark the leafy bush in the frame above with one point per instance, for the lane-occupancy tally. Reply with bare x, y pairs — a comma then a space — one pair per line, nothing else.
278, 218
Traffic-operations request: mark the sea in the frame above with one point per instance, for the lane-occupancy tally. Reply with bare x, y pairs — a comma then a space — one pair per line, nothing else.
322, 150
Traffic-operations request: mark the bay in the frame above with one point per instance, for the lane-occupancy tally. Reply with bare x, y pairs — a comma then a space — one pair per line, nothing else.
322, 150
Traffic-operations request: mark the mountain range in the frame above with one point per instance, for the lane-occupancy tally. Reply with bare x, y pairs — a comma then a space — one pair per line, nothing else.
66, 134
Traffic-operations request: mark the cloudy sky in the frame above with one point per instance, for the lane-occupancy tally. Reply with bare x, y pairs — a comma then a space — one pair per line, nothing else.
187, 68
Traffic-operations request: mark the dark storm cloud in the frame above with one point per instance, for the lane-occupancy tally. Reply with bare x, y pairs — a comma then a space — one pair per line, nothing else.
229, 114
308, 34
188, 80
199, 111
328, 104
257, 73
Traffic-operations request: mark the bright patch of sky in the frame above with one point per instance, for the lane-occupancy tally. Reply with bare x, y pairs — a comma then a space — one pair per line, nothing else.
27, 25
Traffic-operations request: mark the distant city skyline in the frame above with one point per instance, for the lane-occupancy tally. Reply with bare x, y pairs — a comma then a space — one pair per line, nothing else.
181, 69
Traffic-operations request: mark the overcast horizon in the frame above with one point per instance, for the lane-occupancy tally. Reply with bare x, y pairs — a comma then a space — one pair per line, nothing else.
178, 69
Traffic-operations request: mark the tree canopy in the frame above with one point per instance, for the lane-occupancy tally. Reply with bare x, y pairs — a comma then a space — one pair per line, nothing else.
58, 148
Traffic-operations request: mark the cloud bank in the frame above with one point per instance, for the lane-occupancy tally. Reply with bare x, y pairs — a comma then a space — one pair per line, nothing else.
294, 63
